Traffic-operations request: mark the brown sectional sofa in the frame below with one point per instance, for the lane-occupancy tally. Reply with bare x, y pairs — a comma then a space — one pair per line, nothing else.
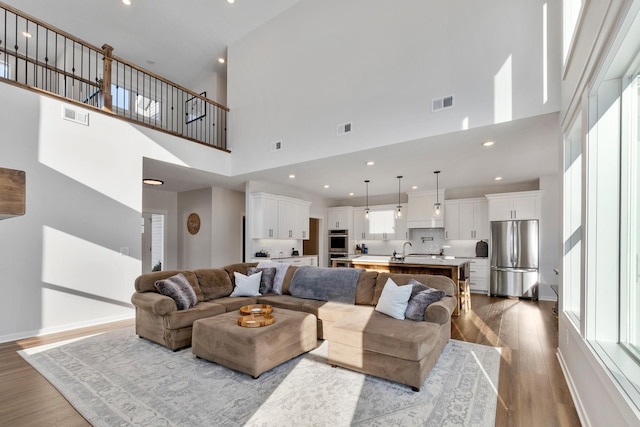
360, 338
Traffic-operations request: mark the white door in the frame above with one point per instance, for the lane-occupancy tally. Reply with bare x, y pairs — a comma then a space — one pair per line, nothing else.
153, 234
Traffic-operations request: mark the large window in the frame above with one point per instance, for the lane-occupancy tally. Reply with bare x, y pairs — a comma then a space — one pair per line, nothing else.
611, 319
572, 238
630, 220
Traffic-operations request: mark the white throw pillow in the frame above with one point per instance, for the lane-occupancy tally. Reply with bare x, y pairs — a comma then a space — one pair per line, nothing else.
247, 286
394, 299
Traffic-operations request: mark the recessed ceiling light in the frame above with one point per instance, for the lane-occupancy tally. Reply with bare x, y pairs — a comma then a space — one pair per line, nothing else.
231, 1
292, 176
497, 178
26, 34
326, 186
488, 143
221, 60
370, 163
351, 194
127, 2
415, 187
152, 181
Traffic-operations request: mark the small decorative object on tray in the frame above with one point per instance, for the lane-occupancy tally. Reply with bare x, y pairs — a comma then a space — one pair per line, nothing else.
247, 310
256, 320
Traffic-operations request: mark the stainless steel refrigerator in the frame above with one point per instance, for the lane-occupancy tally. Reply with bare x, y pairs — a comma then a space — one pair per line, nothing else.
514, 258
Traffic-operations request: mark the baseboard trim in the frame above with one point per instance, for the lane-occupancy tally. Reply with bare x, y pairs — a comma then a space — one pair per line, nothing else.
577, 403
63, 328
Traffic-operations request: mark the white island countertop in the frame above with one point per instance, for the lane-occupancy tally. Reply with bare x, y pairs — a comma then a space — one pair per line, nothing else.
412, 260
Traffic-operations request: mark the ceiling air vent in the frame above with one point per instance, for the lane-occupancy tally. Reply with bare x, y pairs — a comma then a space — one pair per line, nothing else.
75, 116
276, 146
344, 129
439, 104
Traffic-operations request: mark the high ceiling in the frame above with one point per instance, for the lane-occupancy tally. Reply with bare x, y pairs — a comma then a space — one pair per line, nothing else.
182, 41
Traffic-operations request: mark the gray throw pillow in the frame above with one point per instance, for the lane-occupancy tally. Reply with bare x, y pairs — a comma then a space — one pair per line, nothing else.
420, 300
179, 289
268, 276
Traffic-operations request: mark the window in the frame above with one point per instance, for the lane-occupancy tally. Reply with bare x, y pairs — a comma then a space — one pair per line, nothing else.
139, 104
572, 230
4, 70
630, 220
147, 107
382, 222
119, 98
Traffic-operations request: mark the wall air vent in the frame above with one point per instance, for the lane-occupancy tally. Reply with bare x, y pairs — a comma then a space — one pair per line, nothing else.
439, 104
344, 129
276, 146
75, 116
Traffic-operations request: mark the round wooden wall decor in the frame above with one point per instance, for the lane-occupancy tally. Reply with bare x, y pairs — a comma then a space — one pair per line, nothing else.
193, 223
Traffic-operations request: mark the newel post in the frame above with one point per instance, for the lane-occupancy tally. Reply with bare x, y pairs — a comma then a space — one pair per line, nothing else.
106, 79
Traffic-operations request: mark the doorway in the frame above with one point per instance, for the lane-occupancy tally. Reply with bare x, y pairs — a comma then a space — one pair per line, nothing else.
153, 241
312, 246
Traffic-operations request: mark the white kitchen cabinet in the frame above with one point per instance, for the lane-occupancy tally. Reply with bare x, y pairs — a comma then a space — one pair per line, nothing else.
479, 275
264, 210
360, 226
402, 232
420, 212
340, 218
279, 217
520, 205
293, 218
467, 219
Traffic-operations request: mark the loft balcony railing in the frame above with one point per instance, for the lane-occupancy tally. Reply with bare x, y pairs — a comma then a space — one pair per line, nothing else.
38, 56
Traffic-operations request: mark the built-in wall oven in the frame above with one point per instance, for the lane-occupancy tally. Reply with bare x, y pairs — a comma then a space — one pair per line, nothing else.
338, 245
339, 241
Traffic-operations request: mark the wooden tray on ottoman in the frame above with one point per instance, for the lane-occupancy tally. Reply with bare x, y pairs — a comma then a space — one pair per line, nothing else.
247, 310
256, 320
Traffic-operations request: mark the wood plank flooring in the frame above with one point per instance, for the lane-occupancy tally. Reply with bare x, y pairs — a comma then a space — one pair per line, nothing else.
532, 390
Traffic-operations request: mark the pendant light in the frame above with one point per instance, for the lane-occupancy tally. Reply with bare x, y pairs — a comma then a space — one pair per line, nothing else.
399, 211
366, 211
436, 205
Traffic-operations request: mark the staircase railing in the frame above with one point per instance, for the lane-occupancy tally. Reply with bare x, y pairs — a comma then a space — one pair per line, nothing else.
41, 57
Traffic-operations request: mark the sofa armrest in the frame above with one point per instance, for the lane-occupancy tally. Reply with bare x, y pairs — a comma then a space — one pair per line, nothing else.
157, 303
440, 312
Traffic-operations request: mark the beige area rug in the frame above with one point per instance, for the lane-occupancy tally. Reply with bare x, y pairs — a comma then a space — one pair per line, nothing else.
118, 379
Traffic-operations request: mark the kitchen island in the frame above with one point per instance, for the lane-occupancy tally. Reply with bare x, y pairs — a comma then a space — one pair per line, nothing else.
455, 268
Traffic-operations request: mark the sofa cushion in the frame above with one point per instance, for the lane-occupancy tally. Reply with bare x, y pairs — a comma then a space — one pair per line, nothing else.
281, 272
366, 287
283, 301
442, 283
378, 333
266, 282
185, 318
214, 283
234, 303
246, 286
146, 282
394, 299
179, 289
330, 311
241, 267
291, 271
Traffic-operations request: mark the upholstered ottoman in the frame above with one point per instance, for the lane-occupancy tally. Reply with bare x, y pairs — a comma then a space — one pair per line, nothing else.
253, 351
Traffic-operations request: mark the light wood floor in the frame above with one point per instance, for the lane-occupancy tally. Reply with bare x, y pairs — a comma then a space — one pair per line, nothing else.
532, 390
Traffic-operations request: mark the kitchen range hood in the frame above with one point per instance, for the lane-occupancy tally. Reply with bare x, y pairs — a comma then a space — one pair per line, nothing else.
433, 223
421, 209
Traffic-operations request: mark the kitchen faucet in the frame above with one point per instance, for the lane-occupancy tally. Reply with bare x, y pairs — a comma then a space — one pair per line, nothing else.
404, 245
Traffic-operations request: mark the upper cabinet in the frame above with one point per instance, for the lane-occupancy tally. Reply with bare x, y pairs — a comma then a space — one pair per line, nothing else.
279, 217
421, 212
382, 224
520, 205
340, 218
467, 219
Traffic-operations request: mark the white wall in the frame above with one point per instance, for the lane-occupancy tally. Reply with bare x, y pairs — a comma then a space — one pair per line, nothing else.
72, 258
195, 249
379, 64
227, 208
550, 234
